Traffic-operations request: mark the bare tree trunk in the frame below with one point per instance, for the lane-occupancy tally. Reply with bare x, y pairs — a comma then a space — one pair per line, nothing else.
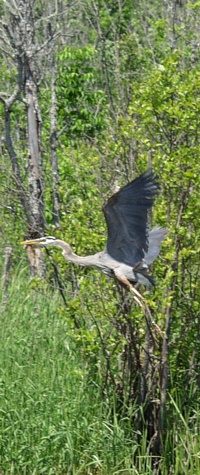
19, 38
35, 162
34, 134
53, 136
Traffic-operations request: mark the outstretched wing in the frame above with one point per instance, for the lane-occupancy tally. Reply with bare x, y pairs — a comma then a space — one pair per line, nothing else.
156, 236
126, 217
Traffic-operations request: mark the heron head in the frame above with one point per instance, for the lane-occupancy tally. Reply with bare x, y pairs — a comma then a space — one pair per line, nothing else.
40, 242
50, 241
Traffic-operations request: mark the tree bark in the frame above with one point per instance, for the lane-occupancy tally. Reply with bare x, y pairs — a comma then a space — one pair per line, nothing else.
53, 136
19, 37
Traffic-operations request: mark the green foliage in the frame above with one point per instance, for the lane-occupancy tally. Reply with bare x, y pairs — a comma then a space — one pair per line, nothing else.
164, 118
81, 102
127, 95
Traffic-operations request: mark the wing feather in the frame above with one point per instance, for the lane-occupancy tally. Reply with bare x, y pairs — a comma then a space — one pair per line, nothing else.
126, 215
156, 236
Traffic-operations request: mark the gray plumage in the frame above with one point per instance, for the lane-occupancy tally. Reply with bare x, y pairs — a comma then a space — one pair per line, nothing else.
130, 248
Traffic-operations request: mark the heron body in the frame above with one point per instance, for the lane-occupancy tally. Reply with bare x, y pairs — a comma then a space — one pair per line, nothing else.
130, 247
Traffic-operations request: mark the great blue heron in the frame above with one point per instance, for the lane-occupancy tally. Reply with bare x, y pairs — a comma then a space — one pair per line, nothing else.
130, 248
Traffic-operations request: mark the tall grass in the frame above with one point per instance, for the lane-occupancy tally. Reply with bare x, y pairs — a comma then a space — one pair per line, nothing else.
52, 416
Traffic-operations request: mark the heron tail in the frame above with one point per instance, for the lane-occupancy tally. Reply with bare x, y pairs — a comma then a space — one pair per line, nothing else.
144, 278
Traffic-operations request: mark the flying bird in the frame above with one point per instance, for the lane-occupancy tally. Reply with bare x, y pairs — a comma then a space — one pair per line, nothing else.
130, 247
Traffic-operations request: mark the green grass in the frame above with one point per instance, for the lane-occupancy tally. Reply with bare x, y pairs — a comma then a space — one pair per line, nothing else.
52, 416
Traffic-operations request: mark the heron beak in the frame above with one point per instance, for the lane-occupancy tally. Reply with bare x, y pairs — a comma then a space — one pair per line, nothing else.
31, 242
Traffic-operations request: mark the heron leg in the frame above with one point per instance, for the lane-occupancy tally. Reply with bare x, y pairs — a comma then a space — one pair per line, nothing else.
137, 296
141, 301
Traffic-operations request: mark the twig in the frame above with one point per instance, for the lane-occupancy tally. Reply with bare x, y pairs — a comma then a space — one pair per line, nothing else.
60, 287
7, 266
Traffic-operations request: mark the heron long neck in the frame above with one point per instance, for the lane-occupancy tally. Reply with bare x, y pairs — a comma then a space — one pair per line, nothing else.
92, 260
82, 261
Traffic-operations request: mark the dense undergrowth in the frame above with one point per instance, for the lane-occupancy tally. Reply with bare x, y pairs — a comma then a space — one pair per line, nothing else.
53, 416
